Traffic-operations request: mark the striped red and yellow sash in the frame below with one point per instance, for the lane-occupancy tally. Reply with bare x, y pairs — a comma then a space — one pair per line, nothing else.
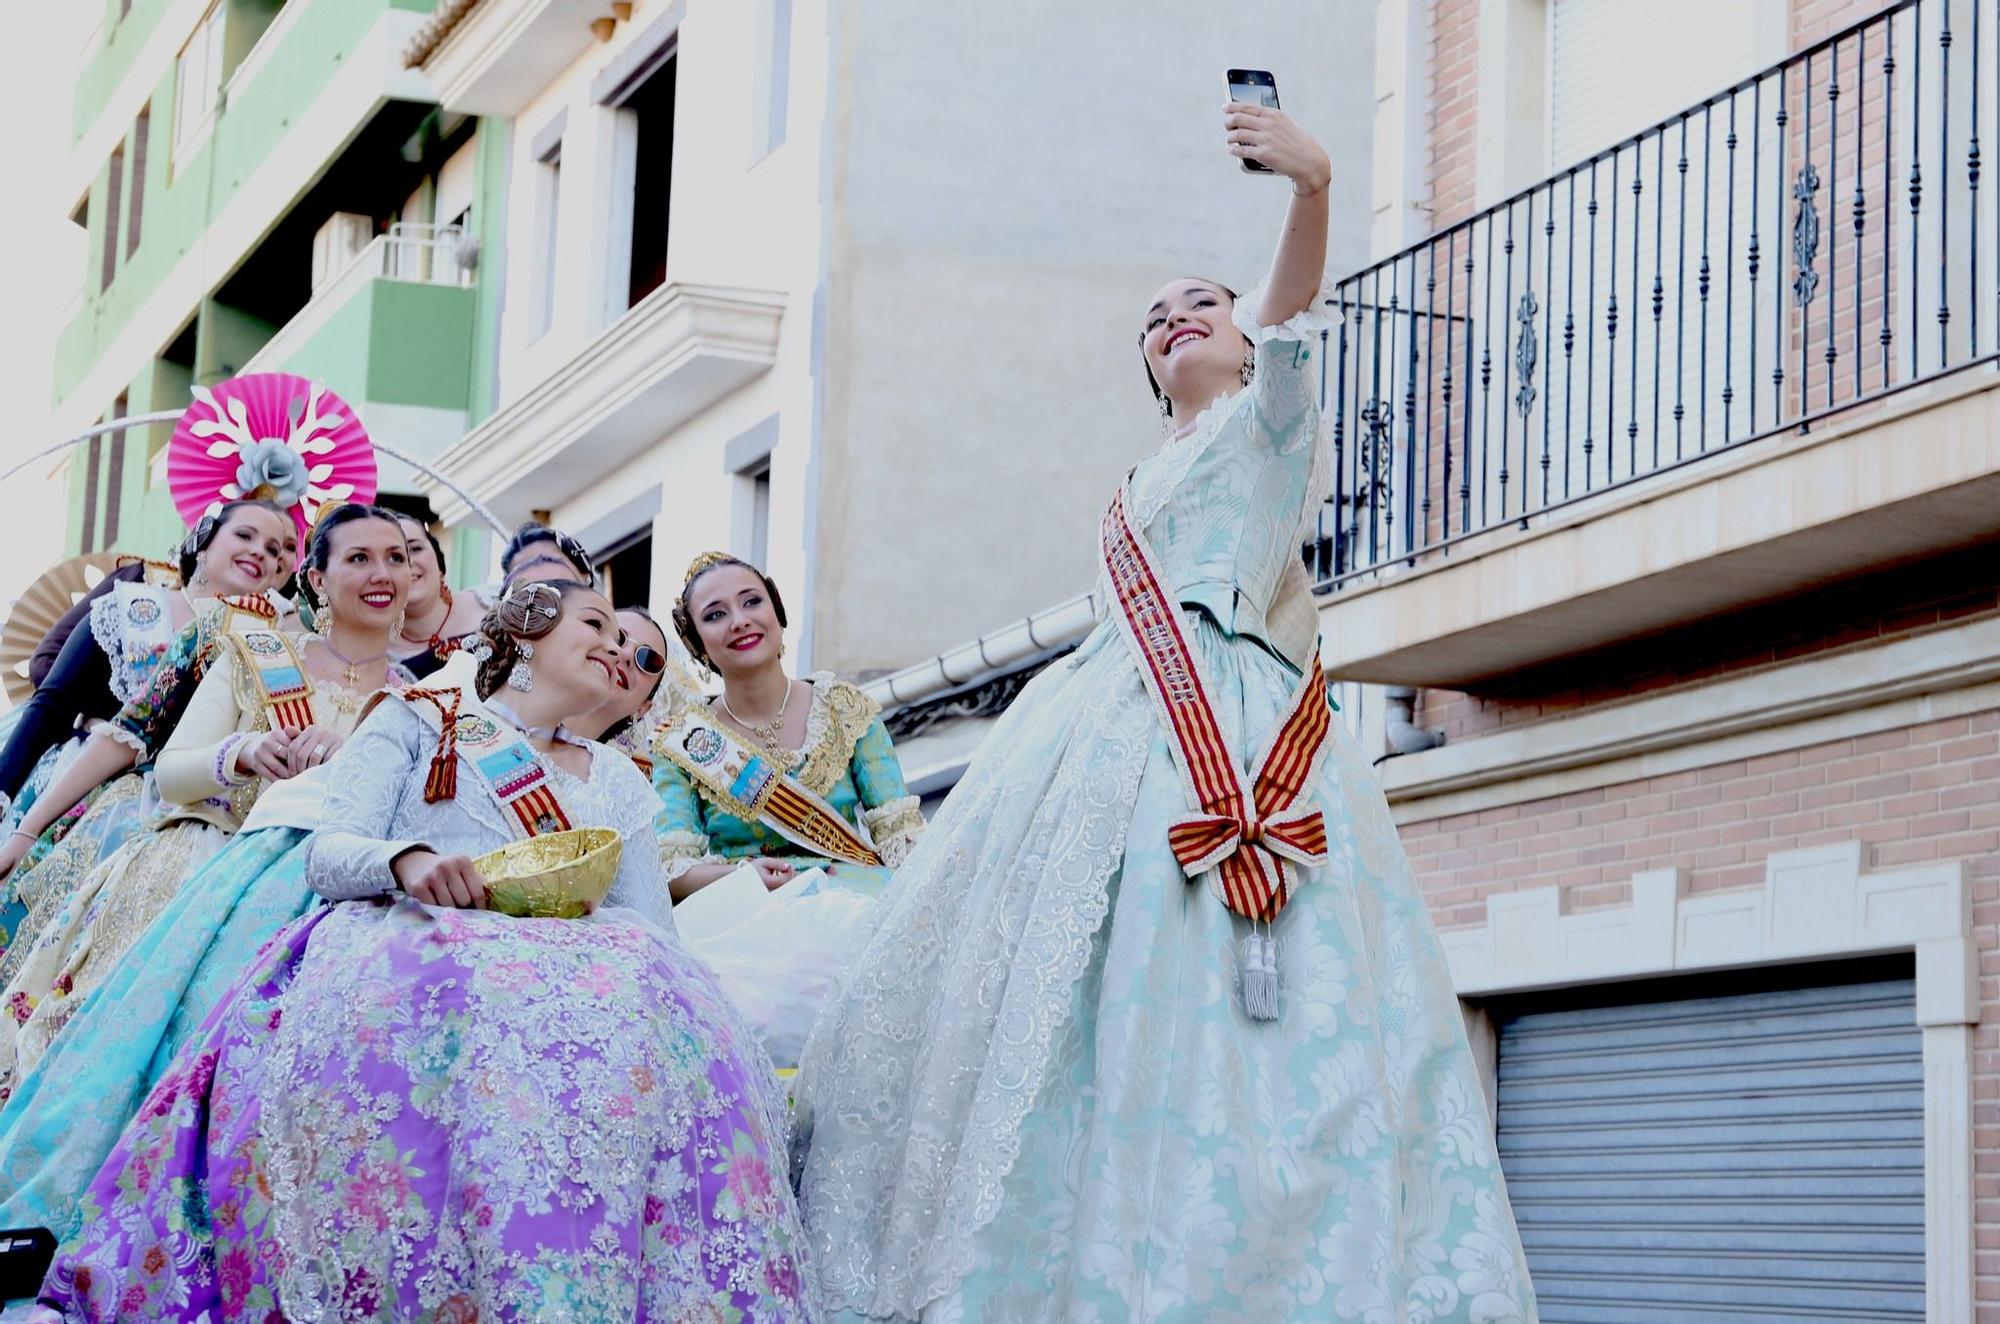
744, 781
501, 760
1255, 833
279, 673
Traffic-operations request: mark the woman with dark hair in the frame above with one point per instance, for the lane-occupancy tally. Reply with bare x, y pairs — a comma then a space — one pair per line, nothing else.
415, 1107
1154, 1024
437, 618
235, 552
834, 798
796, 779
64, 1115
266, 710
537, 544
132, 659
649, 681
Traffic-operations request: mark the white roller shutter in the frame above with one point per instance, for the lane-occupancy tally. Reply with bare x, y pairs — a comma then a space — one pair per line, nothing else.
1617, 66
1748, 1157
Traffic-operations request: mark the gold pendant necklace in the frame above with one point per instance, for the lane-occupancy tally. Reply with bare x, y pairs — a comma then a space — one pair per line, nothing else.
768, 733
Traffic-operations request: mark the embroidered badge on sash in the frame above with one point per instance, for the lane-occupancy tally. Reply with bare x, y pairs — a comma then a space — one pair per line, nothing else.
280, 676
516, 775
736, 774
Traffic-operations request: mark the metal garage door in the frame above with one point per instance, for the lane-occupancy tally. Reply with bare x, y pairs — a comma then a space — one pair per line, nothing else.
1746, 1156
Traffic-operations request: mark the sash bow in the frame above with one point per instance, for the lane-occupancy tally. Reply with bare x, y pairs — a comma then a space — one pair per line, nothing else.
1203, 841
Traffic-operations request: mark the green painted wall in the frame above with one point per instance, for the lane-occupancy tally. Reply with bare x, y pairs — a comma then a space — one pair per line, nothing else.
119, 46
183, 198
489, 213
393, 342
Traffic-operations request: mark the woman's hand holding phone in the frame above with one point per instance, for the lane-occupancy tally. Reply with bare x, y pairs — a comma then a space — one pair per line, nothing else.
1274, 139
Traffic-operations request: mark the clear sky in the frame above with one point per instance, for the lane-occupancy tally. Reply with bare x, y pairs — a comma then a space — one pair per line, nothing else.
41, 269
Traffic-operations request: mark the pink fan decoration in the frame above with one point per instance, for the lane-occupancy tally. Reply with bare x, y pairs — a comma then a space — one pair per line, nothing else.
269, 434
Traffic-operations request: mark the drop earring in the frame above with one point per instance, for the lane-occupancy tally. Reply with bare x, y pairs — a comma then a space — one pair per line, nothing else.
1249, 363
1166, 415
522, 677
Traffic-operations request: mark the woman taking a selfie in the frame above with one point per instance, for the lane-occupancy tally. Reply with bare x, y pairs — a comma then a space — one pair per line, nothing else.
1154, 1024
458, 1114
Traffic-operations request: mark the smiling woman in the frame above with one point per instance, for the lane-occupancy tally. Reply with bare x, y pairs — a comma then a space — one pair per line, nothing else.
266, 711
442, 1111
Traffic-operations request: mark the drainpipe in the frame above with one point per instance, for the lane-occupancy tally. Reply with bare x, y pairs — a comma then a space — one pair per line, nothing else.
1404, 735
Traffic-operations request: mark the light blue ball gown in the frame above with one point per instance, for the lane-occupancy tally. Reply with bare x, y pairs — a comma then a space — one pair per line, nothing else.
1038, 1095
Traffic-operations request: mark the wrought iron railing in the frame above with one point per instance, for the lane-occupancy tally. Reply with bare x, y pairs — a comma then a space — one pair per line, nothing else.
1805, 241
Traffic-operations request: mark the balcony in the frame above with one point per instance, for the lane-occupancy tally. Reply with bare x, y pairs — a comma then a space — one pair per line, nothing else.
391, 331
675, 353
1746, 352
492, 57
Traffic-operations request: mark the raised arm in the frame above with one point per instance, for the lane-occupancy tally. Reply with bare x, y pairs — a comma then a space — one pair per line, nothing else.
1273, 138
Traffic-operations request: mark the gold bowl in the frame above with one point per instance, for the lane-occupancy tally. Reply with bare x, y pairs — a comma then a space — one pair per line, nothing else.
558, 875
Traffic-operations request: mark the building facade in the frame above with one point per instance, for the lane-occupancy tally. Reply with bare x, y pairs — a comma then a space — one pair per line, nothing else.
1659, 569
853, 287
266, 187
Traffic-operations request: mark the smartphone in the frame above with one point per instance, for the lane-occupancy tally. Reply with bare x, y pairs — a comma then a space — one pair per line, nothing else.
1254, 87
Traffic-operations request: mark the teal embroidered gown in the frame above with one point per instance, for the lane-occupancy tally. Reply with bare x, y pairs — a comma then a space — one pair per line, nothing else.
1037, 1096
779, 966
847, 760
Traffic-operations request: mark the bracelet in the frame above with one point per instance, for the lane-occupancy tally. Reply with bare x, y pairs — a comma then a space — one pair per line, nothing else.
21, 832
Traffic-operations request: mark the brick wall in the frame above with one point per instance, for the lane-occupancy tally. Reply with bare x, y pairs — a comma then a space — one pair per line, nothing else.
1813, 20
1858, 613
1454, 137
1914, 794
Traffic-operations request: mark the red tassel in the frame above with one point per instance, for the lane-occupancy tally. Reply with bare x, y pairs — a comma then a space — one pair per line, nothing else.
442, 783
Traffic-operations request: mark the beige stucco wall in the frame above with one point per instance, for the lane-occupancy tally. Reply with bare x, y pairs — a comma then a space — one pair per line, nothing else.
1009, 186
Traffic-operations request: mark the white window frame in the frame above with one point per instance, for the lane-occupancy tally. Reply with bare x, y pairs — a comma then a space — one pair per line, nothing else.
772, 105
199, 66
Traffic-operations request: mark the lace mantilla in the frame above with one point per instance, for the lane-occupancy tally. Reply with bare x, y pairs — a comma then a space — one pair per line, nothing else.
133, 625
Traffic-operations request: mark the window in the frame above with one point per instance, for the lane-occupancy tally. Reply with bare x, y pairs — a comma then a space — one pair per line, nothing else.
774, 78
651, 110
627, 566
142, 132
760, 517
548, 206
114, 476
114, 192
87, 536
198, 79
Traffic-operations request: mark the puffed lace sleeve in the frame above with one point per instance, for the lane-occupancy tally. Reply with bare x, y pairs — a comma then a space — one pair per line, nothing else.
891, 813
641, 881
677, 820
1287, 352
385, 757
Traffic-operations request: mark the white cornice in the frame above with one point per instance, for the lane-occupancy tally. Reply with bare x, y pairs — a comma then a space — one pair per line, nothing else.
498, 55
1777, 707
678, 351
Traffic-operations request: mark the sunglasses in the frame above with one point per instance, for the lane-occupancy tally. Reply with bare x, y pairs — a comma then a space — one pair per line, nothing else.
649, 659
